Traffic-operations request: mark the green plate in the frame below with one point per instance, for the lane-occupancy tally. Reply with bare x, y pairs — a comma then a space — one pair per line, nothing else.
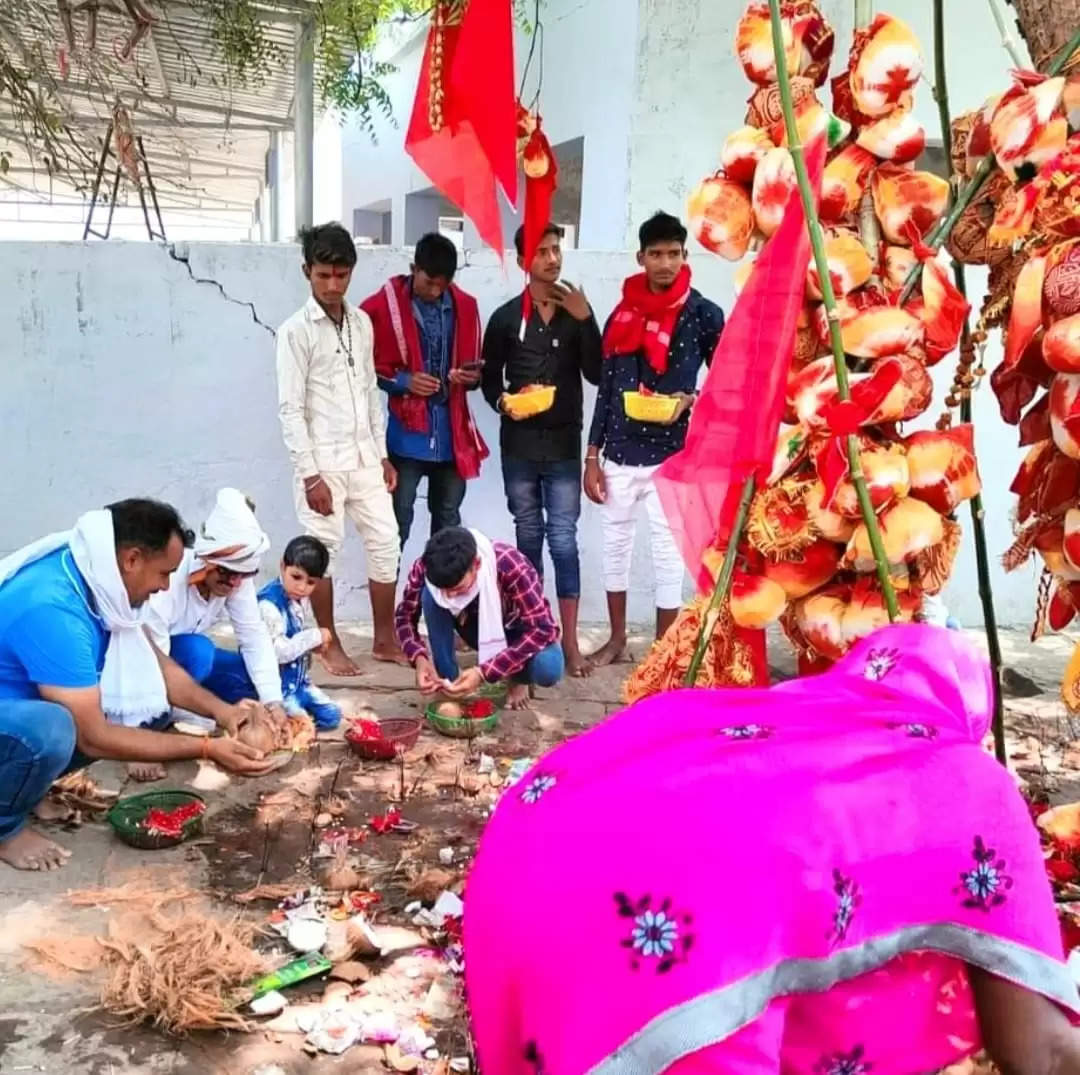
460, 727
126, 818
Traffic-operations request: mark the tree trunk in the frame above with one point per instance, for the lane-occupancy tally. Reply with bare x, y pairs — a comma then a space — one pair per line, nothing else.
1046, 26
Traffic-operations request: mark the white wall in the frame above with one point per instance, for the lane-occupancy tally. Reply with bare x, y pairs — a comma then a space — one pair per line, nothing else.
588, 80
691, 92
121, 376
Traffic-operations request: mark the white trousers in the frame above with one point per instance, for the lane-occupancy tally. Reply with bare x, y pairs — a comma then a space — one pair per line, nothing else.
362, 496
627, 487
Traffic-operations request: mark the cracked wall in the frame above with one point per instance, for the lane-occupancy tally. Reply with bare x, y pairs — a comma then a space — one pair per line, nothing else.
127, 369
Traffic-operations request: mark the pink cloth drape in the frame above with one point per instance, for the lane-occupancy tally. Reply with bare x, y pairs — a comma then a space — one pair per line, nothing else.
756, 880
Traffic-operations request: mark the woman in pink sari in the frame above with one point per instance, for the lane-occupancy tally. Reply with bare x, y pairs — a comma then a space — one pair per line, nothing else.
830, 877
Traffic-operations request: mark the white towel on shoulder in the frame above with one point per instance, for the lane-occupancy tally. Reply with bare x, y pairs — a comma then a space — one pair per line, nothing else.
491, 633
132, 686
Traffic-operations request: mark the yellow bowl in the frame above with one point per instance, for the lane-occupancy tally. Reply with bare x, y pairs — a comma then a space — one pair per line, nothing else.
649, 408
527, 404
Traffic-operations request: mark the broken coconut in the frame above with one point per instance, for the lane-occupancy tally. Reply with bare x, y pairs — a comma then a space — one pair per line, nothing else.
340, 876
430, 884
396, 1061
351, 971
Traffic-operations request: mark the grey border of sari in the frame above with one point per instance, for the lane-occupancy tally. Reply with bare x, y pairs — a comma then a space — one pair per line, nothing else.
709, 1019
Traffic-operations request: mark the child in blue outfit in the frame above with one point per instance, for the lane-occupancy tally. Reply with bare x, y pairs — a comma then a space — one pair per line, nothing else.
283, 604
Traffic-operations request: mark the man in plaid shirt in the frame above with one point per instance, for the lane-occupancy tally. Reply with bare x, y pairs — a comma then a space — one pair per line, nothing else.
490, 595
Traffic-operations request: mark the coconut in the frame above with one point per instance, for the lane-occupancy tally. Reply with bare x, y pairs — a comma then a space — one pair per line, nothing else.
450, 710
342, 878
260, 732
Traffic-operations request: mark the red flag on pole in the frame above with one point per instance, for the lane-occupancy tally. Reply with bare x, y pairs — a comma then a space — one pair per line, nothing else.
464, 120
734, 424
541, 180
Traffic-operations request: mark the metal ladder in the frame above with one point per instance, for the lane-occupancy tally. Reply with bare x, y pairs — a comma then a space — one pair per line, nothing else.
144, 165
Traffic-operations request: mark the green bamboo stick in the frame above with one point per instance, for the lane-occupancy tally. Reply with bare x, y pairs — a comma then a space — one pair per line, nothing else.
723, 584
978, 529
869, 229
817, 242
986, 168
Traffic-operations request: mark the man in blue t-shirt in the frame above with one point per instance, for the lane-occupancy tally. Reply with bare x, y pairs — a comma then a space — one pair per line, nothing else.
61, 602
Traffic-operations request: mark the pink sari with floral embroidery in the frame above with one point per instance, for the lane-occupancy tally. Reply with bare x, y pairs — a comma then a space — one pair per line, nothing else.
754, 881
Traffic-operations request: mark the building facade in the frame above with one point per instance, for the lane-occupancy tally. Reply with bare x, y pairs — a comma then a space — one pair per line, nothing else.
636, 97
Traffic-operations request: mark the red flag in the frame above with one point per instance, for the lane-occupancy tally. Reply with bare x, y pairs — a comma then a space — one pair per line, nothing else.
541, 179
463, 125
735, 422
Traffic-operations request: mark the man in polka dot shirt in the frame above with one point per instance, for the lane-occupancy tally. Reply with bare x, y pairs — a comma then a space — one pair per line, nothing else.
657, 340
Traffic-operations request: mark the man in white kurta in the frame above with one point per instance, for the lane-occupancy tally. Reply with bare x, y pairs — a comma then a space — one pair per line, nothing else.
334, 428
215, 582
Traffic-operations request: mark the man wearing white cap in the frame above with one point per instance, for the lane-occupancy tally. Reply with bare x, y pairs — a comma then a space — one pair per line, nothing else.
215, 582
72, 649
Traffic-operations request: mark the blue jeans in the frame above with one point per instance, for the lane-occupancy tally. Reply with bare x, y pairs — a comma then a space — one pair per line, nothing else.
545, 498
223, 672
445, 492
543, 670
309, 699
220, 671
37, 745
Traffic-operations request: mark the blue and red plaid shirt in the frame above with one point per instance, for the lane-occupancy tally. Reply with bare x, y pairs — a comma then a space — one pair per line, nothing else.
527, 618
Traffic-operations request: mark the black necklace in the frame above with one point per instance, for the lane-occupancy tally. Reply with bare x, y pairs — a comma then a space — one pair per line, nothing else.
345, 341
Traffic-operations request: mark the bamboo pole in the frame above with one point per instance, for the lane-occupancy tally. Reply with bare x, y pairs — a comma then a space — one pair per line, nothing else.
817, 242
1008, 42
985, 170
863, 16
723, 583
869, 229
982, 555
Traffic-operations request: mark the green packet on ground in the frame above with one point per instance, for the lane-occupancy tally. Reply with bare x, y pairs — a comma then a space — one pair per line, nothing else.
309, 966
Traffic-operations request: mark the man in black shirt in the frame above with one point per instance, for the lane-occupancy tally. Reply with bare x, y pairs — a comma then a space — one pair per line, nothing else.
546, 335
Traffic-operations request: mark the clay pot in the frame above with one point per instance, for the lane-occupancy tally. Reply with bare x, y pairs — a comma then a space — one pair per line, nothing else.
774, 182
808, 571
898, 137
942, 467
908, 528
721, 217
886, 63
742, 152
1061, 345
756, 601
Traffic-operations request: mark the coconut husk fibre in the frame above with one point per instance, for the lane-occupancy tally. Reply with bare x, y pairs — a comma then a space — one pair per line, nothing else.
185, 977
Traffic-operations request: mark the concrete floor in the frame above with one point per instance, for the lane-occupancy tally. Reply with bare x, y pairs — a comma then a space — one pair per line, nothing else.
47, 1024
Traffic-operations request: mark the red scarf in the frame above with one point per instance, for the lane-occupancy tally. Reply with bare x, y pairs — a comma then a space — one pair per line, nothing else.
644, 320
397, 349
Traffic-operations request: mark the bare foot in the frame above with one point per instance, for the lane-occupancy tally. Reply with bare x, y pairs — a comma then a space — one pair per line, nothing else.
146, 772
388, 653
338, 663
29, 850
517, 697
611, 652
576, 665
